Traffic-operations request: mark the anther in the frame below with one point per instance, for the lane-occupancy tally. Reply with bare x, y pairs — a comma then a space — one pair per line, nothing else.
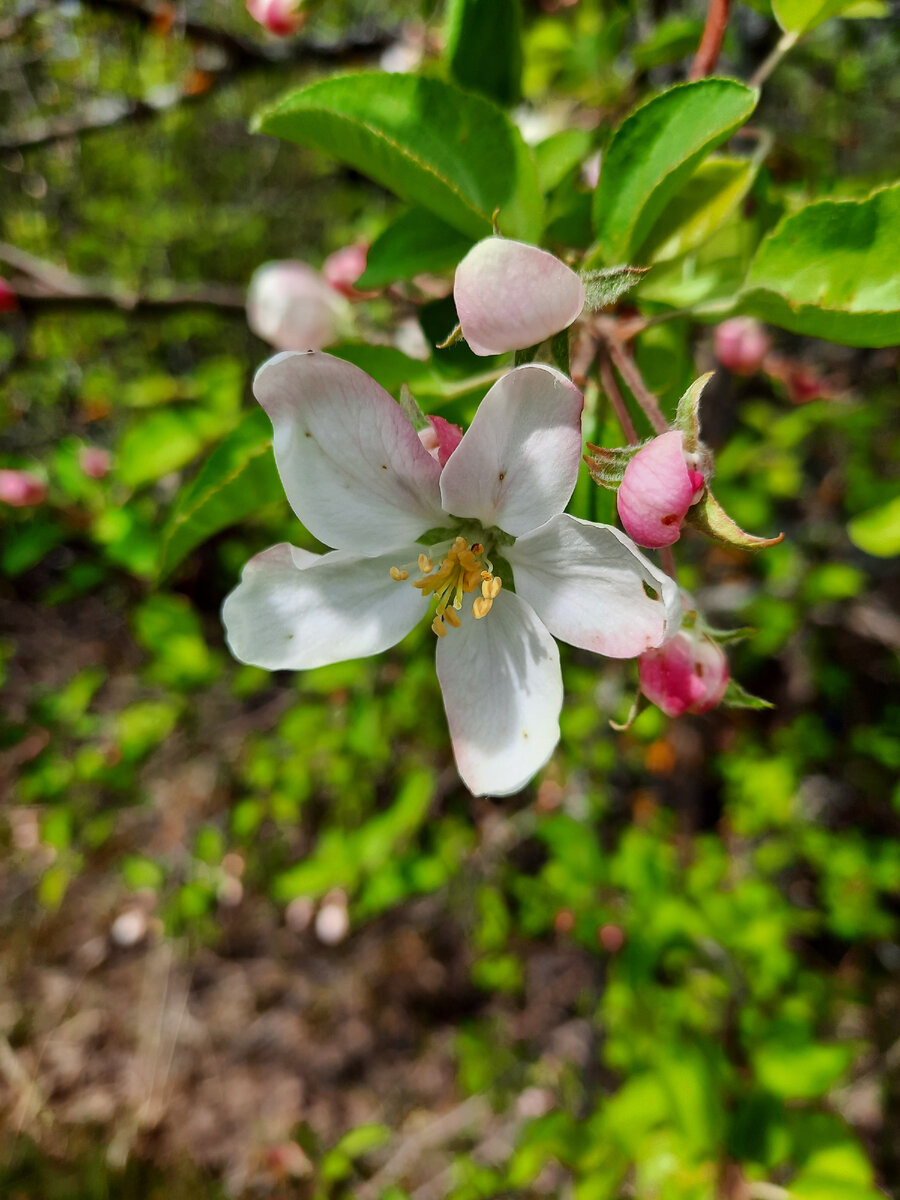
438, 627
486, 588
452, 617
496, 585
397, 575
481, 607
425, 564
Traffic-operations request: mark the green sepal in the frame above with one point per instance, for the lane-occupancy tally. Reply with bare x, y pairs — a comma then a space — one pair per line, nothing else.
633, 713
528, 355
440, 533
710, 518
604, 287
725, 637
410, 406
738, 697
456, 335
607, 465
559, 348
687, 415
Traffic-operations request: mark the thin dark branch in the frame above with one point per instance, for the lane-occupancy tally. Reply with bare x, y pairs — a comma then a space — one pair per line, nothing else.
40, 283
711, 42
616, 399
628, 369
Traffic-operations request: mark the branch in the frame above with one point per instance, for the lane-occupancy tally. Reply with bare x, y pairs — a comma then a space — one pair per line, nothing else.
627, 368
619, 407
158, 15
37, 281
711, 42
786, 42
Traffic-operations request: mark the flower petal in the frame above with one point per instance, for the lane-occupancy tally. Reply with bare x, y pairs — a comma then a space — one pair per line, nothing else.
291, 306
294, 610
518, 461
502, 688
587, 583
352, 465
510, 295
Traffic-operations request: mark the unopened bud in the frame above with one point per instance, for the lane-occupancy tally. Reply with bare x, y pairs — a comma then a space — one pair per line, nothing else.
687, 674
291, 306
332, 919
94, 461
281, 17
741, 345
21, 489
657, 489
440, 438
510, 296
342, 269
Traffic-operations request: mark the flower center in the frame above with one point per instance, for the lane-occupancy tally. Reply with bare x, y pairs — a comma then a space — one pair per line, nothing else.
463, 567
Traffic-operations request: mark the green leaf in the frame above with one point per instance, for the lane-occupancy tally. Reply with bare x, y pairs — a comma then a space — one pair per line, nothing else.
429, 142
830, 271
687, 415
877, 531
799, 16
166, 440
237, 479
416, 242
559, 154
702, 206
654, 151
484, 47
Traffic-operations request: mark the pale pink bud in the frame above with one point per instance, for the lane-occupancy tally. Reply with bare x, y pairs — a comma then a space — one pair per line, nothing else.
510, 296
440, 438
687, 674
21, 489
8, 301
281, 17
741, 345
342, 269
657, 489
94, 461
291, 306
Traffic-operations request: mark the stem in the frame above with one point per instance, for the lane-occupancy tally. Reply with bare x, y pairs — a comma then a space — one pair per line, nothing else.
711, 42
619, 407
667, 558
628, 369
785, 43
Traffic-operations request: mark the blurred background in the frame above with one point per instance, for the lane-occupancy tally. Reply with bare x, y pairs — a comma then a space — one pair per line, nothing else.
256, 937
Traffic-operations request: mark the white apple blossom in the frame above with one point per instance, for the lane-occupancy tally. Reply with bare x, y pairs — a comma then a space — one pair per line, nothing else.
410, 531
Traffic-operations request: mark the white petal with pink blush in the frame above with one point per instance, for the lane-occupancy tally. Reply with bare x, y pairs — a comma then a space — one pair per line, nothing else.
510, 295
417, 537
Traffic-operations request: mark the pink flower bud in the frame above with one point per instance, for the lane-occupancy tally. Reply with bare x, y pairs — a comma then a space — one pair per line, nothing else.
440, 439
510, 296
687, 674
659, 485
94, 461
281, 17
21, 489
741, 345
291, 306
8, 301
342, 269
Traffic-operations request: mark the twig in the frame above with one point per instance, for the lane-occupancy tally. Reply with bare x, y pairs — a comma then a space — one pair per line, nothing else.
619, 407
473, 1111
41, 282
785, 43
627, 368
711, 42
667, 558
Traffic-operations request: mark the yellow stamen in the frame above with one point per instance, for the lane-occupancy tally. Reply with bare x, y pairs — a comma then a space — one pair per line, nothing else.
452, 617
481, 607
486, 588
397, 575
425, 564
496, 585
438, 627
